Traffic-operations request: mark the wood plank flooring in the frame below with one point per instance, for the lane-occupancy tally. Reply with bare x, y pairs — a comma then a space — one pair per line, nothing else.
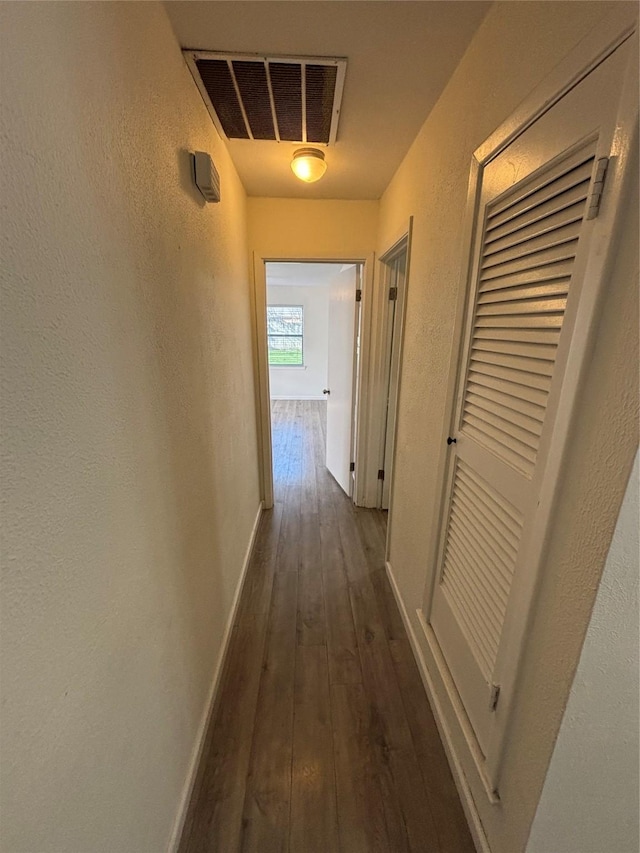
322, 740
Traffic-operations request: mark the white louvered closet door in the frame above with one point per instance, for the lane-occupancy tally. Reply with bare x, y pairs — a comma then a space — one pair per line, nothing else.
532, 246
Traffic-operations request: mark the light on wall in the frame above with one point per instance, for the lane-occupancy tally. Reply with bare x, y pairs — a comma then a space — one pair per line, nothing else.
308, 164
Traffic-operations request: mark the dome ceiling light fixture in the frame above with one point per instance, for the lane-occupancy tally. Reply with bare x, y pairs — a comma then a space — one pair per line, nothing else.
308, 164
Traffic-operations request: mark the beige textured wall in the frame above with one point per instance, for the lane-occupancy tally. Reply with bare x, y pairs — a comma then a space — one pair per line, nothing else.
130, 484
300, 228
517, 45
282, 228
577, 818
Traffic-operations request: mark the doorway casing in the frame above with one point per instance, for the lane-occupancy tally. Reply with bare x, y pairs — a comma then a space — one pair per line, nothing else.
392, 312
364, 475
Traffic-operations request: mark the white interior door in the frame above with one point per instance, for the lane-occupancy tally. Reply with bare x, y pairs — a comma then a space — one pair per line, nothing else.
342, 304
397, 275
522, 354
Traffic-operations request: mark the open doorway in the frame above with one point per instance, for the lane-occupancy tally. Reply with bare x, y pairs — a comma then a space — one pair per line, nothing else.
312, 326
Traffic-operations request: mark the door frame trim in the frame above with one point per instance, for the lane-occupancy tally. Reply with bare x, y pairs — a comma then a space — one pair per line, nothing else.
577, 65
388, 343
261, 366
400, 244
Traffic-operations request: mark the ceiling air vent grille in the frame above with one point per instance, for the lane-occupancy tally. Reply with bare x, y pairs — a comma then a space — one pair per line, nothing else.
288, 99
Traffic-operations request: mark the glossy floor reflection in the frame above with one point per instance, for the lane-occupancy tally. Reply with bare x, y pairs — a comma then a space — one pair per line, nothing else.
323, 739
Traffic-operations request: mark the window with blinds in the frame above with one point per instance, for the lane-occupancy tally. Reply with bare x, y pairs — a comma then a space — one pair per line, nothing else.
285, 335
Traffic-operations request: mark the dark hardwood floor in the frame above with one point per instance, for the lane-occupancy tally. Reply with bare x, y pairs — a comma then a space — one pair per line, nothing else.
323, 739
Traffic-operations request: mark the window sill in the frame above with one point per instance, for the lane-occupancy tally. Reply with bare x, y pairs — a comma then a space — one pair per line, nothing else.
287, 367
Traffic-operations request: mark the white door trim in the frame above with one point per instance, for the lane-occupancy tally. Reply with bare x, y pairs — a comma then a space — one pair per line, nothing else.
261, 365
593, 50
402, 244
261, 380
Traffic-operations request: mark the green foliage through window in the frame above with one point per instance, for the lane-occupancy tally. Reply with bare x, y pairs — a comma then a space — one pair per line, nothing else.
285, 325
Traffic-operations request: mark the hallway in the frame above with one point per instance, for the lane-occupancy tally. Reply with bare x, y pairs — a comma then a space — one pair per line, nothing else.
323, 737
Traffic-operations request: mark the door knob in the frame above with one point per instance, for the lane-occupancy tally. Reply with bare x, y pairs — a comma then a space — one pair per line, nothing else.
326, 391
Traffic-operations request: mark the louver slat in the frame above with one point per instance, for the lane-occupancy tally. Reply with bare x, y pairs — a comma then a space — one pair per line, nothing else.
539, 336
527, 261
489, 515
516, 419
512, 451
515, 252
508, 401
552, 176
480, 631
473, 525
522, 321
553, 273
478, 414
528, 253
477, 526
528, 378
519, 393
554, 205
465, 549
535, 230
519, 306
463, 552
478, 562
529, 365
567, 181
510, 516
516, 348
470, 546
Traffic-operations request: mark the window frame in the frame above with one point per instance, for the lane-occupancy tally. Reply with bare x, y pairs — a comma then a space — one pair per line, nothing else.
301, 336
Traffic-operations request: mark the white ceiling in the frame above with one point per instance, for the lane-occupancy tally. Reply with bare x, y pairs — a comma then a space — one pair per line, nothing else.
400, 53
306, 274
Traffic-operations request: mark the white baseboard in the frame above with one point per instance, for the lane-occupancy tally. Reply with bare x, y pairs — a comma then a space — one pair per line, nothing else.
185, 799
470, 810
298, 397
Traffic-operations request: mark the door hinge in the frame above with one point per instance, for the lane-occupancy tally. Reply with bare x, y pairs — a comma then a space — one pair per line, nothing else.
358, 295
352, 466
493, 698
393, 294
381, 474
597, 186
